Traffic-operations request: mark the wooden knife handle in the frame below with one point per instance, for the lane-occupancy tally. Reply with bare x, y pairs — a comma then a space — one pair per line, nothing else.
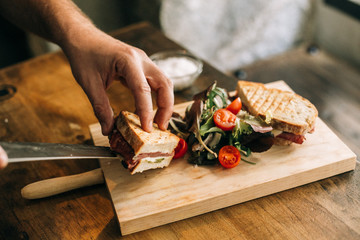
53, 186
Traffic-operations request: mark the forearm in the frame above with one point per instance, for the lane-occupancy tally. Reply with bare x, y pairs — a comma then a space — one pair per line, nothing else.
96, 59
58, 21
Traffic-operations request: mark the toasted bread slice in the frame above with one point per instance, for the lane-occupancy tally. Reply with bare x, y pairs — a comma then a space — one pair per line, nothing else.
143, 142
152, 150
289, 112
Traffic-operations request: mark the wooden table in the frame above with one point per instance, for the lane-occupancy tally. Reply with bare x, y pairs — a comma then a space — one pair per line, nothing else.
48, 106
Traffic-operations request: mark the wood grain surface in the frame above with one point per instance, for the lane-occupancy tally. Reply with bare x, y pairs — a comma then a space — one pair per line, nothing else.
182, 190
48, 106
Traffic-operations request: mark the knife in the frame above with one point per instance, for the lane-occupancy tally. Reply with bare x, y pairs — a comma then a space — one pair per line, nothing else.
25, 151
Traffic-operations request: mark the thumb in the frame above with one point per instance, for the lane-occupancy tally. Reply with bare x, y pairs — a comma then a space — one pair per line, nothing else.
3, 158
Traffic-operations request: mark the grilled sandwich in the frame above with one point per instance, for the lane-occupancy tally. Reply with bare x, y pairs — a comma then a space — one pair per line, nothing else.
141, 150
290, 115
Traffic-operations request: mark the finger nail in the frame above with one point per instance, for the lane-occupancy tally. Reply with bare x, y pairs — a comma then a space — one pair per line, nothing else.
149, 125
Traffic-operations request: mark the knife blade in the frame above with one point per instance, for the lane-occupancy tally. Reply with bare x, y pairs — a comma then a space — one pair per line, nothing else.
25, 151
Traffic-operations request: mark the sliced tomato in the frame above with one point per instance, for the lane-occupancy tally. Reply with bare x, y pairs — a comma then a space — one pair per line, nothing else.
224, 119
229, 156
181, 149
235, 106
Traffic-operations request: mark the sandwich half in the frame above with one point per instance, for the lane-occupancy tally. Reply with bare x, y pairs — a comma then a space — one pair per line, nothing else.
141, 150
290, 115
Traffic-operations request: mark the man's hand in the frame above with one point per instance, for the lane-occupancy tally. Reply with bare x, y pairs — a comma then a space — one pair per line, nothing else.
97, 60
3, 158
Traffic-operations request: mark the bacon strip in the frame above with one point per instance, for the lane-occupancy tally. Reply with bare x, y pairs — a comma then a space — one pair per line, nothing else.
299, 139
120, 145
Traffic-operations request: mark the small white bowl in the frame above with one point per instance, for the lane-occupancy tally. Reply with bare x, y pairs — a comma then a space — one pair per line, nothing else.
180, 66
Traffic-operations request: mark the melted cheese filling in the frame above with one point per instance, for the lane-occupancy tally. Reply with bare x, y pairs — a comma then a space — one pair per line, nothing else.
276, 132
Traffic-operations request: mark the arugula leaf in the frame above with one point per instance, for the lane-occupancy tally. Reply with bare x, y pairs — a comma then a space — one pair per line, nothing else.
193, 116
193, 119
211, 130
247, 161
214, 97
245, 150
209, 126
207, 114
222, 93
241, 128
204, 94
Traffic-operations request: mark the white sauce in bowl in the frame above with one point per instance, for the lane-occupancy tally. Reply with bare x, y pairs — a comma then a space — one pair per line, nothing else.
175, 67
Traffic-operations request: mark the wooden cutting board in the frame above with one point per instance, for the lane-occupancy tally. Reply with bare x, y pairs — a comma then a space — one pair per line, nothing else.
182, 190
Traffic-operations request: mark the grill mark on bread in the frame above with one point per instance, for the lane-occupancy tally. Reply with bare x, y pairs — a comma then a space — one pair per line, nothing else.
272, 97
264, 104
263, 99
283, 106
259, 96
274, 107
251, 93
290, 112
283, 103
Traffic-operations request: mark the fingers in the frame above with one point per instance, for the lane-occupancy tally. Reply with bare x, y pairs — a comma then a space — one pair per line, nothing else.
3, 158
163, 87
141, 90
165, 102
142, 76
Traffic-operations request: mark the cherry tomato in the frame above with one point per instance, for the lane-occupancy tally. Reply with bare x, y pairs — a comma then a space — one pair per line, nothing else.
229, 156
224, 119
181, 149
235, 106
